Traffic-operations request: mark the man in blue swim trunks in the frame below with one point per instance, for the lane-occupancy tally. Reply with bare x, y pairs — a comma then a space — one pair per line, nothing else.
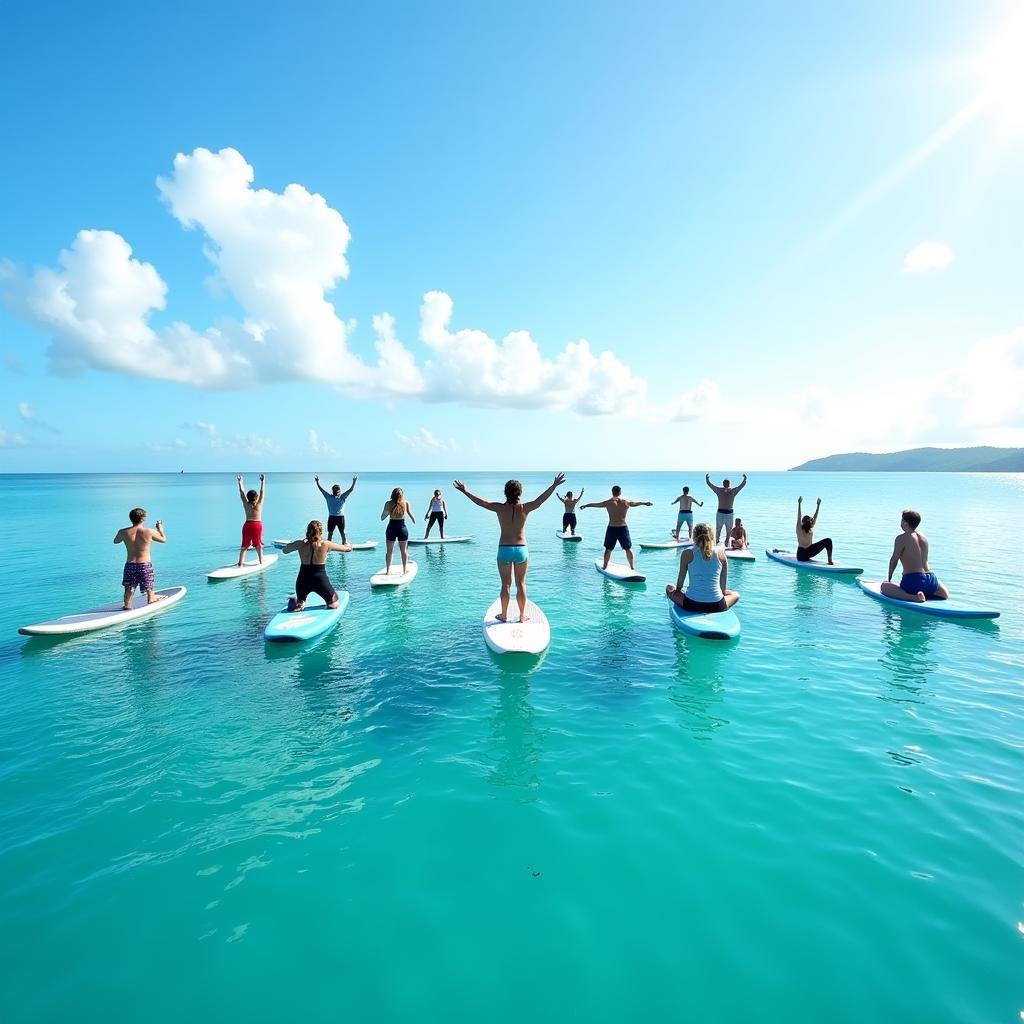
617, 532
919, 583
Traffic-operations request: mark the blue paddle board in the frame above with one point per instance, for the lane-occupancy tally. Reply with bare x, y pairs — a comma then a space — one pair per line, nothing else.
314, 619
706, 625
789, 558
937, 609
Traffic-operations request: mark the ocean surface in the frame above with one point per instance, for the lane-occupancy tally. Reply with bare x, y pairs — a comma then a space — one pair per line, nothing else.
822, 821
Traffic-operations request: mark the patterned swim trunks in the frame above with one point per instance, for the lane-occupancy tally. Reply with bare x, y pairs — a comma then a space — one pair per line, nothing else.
138, 574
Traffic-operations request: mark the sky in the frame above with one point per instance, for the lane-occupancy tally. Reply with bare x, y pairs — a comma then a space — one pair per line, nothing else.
508, 236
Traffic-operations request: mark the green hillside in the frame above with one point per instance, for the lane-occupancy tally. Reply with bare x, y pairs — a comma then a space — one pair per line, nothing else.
922, 460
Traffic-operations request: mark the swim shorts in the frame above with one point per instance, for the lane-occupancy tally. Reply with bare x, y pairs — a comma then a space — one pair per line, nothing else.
724, 518
617, 535
684, 517
312, 579
335, 523
568, 519
512, 554
138, 575
925, 582
397, 530
252, 533
704, 606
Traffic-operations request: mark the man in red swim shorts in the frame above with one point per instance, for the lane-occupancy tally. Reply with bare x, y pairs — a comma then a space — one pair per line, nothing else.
252, 528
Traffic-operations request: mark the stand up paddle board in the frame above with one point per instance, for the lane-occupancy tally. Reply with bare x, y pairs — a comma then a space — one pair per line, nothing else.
314, 619
665, 545
532, 637
620, 573
396, 577
568, 536
739, 554
233, 572
706, 625
366, 545
789, 558
439, 540
938, 609
106, 615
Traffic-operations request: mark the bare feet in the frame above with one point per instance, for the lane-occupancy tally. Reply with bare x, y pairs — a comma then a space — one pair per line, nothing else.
157, 598
524, 618
299, 605
919, 597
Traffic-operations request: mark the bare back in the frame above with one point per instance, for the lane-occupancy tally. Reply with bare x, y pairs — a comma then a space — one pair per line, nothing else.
618, 508
685, 502
253, 509
313, 554
512, 518
726, 496
138, 543
912, 550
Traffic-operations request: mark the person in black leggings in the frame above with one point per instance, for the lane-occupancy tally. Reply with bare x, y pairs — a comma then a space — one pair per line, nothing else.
807, 547
312, 578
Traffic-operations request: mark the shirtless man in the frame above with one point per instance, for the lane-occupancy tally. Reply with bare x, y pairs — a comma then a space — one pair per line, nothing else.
685, 501
919, 583
569, 515
617, 532
513, 554
252, 528
336, 499
726, 501
737, 539
138, 569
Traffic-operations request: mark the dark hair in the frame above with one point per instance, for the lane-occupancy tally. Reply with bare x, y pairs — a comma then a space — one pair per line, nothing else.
806, 523
137, 515
686, 490
513, 491
336, 489
616, 491
912, 517
725, 483
251, 496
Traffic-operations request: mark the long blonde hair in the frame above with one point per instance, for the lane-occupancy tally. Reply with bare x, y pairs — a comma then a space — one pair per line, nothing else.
314, 534
704, 539
397, 502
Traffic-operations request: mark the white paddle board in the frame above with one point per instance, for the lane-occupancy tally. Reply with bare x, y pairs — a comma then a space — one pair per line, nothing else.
789, 558
233, 572
439, 540
739, 554
106, 615
666, 545
515, 637
568, 536
706, 625
366, 545
396, 577
620, 573
948, 609
314, 619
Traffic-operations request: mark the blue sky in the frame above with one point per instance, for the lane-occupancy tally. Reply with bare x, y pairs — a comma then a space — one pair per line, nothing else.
793, 230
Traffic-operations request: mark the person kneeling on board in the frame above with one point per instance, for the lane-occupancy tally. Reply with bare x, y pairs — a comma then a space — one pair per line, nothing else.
910, 550
737, 539
708, 569
569, 515
617, 508
312, 578
138, 569
252, 528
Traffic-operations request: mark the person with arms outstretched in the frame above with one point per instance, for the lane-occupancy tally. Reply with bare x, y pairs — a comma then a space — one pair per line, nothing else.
569, 515
252, 528
910, 550
708, 569
437, 512
685, 501
336, 499
617, 532
312, 578
726, 495
807, 546
138, 567
396, 508
513, 554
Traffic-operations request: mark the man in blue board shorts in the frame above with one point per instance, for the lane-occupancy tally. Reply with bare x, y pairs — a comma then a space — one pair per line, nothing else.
617, 532
910, 550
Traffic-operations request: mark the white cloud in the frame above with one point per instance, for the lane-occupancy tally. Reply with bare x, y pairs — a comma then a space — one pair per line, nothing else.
239, 443
29, 416
14, 440
425, 443
928, 256
318, 446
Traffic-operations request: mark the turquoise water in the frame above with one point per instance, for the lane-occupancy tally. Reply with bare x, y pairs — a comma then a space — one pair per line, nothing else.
819, 822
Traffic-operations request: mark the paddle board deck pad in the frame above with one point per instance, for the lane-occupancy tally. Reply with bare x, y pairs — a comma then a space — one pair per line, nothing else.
937, 609
439, 540
396, 577
706, 625
666, 545
366, 545
314, 619
740, 554
568, 536
620, 573
106, 615
789, 558
234, 572
515, 637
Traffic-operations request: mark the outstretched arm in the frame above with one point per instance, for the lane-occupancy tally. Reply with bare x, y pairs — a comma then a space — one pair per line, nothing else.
345, 494
636, 504
675, 501
545, 494
292, 545
493, 506
319, 487
332, 546
596, 504
701, 503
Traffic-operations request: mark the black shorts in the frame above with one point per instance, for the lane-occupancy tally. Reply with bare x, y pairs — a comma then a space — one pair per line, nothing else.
435, 517
704, 606
568, 519
335, 523
397, 530
312, 579
617, 535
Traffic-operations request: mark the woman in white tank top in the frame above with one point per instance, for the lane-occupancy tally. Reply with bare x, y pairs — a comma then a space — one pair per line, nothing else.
708, 570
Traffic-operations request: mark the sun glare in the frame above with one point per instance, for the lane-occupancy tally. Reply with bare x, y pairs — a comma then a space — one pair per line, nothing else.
1000, 70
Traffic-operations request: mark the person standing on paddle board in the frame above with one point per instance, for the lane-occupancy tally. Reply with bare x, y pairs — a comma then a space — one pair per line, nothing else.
708, 569
437, 512
336, 499
396, 508
726, 500
569, 515
910, 550
252, 528
807, 546
513, 554
138, 568
312, 578
685, 501
617, 532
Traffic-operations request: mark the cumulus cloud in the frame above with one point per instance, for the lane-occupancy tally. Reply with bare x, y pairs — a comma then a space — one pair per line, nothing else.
928, 256
318, 446
425, 443
12, 440
29, 416
239, 443
704, 402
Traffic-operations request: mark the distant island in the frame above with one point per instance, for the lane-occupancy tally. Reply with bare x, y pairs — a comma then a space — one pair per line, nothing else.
922, 460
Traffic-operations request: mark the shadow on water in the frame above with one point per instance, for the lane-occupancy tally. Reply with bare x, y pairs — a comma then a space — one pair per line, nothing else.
700, 684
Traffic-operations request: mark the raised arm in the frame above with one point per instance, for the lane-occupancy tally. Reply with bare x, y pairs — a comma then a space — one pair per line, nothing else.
319, 487
241, 488
493, 506
799, 512
545, 494
351, 488
742, 485
717, 490
558, 496
263, 483
158, 534
817, 509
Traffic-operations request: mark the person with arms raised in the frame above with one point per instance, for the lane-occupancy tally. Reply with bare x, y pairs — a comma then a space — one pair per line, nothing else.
807, 546
726, 495
336, 499
252, 528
